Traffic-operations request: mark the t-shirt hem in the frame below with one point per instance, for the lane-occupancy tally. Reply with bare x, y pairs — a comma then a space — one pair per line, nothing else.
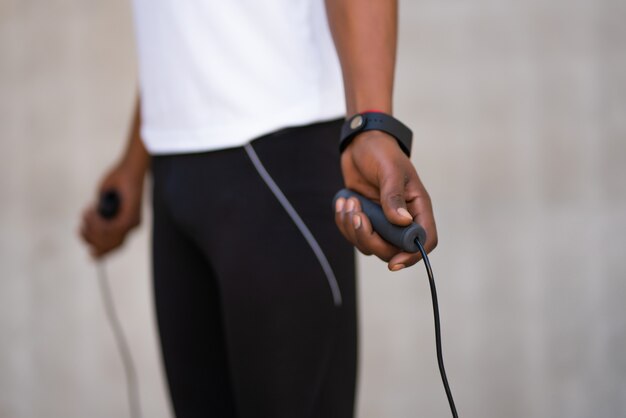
191, 141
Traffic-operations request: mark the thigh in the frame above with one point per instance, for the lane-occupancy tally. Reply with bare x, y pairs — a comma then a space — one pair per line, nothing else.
292, 348
189, 319
305, 163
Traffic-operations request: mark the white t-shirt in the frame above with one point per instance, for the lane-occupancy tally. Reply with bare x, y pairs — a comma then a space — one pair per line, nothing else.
218, 73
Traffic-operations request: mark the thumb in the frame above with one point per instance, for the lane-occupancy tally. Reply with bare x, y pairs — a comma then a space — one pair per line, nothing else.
392, 197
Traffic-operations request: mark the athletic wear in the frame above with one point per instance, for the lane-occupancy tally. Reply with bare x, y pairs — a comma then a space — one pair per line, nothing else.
248, 323
253, 283
216, 73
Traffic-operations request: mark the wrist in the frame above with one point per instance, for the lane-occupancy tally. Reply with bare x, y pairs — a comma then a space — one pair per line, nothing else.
361, 123
135, 166
375, 141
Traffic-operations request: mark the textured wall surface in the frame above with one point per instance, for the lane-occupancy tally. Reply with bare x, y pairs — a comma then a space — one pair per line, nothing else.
519, 113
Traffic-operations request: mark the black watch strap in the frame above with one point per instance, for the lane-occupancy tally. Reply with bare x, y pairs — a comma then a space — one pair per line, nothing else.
370, 121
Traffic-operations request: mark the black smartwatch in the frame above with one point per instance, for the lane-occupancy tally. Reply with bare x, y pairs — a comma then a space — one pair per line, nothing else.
370, 121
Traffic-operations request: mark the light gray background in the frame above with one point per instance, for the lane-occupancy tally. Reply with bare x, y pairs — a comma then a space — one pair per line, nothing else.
519, 113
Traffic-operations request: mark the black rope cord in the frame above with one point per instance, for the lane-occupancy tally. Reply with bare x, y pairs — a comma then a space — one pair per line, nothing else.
433, 293
122, 345
129, 368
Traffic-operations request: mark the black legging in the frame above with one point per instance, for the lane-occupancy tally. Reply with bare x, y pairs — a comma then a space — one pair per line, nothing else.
249, 322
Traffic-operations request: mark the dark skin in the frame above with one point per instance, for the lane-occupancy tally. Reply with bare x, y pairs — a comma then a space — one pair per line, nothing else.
127, 177
365, 33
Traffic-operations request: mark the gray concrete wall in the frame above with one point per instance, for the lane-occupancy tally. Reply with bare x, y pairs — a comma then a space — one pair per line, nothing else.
519, 111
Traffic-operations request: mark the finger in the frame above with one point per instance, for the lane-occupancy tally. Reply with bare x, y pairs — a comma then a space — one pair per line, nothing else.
85, 234
91, 240
358, 230
87, 230
421, 207
357, 221
121, 220
339, 214
96, 253
352, 222
368, 241
86, 215
94, 224
392, 184
103, 247
343, 208
94, 241
403, 260
347, 218
100, 233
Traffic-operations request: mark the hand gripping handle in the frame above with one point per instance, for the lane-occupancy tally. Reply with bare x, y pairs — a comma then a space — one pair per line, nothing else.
402, 237
109, 204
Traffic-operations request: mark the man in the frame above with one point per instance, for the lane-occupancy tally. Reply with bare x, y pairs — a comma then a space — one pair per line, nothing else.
239, 118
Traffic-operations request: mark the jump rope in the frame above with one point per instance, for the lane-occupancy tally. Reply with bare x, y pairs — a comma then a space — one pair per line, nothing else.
409, 238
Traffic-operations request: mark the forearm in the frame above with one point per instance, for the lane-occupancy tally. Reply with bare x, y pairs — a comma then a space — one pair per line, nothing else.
136, 157
365, 35
126, 178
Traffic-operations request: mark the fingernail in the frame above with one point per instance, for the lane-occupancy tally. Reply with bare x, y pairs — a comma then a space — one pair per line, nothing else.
339, 204
404, 213
356, 221
397, 267
350, 206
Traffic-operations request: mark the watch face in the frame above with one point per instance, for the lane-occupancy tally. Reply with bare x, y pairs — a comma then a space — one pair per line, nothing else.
356, 122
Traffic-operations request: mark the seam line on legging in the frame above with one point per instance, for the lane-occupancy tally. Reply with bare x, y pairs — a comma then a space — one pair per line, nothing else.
297, 220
